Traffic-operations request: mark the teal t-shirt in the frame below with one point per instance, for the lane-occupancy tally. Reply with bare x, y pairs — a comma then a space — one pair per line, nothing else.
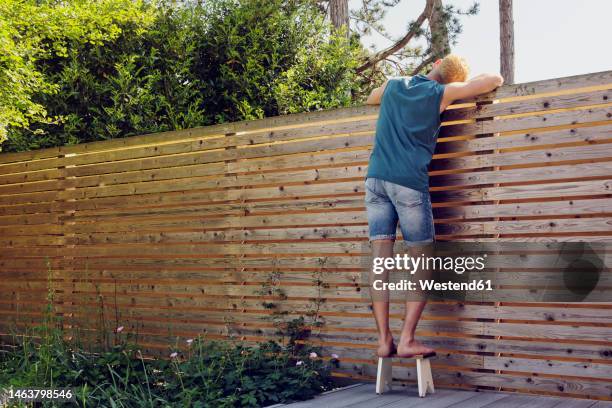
406, 131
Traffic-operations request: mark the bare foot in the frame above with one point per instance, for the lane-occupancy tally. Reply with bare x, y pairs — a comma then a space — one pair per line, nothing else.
385, 347
412, 348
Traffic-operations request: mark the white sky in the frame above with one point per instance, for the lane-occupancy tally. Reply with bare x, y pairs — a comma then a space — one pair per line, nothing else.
553, 38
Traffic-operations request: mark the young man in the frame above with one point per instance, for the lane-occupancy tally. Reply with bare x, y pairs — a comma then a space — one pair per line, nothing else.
397, 182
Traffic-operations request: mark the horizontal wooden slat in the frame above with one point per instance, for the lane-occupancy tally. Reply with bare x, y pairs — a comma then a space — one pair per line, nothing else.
550, 86
530, 140
529, 106
43, 175
225, 229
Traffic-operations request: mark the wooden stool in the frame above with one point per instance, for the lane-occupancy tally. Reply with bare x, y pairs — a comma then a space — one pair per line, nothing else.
384, 375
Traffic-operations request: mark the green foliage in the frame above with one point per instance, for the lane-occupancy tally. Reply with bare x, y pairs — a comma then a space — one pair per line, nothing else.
165, 66
32, 32
205, 374
208, 374
323, 77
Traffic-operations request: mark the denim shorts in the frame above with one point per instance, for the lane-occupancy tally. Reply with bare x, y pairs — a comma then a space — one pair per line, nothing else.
387, 203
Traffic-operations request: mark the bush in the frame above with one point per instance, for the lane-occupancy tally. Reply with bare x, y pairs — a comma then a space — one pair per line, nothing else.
208, 374
205, 374
192, 64
40, 40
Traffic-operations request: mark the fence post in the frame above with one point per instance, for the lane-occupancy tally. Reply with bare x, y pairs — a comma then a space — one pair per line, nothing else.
67, 260
237, 257
483, 121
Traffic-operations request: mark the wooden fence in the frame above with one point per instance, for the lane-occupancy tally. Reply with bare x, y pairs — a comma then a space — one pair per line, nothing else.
226, 229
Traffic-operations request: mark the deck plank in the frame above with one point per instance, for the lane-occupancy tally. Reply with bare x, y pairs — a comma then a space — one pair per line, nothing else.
525, 401
578, 403
340, 398
364, 396
383, 400
440, 399
602, 404
481, 400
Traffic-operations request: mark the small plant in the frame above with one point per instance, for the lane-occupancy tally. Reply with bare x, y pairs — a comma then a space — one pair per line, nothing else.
203, 374
207, 374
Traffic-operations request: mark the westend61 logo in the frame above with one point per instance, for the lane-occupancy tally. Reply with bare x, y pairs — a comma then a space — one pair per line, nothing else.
425, 265
492, 271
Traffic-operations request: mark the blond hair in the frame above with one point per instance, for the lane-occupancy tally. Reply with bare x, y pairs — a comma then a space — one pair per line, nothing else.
453, 68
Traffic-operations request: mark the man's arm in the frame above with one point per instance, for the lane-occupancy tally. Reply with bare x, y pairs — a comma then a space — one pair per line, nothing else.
478, 85
376, 94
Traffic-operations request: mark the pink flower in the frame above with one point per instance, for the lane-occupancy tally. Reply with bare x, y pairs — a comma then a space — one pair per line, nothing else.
299, 363
173, 355
119, 329
189, 341
335, 356
313, 355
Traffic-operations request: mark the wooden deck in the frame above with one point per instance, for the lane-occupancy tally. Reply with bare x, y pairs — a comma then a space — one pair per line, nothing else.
363, 396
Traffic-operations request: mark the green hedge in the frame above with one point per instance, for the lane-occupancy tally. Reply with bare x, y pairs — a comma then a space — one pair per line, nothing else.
155, 67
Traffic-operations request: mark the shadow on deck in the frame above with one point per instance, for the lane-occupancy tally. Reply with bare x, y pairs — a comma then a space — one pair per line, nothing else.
364, 396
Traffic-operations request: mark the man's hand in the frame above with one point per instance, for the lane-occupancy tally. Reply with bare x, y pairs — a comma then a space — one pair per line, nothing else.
376, 95
478, 85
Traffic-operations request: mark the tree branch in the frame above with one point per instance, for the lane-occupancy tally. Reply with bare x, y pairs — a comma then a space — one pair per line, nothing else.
414, 29
424, 63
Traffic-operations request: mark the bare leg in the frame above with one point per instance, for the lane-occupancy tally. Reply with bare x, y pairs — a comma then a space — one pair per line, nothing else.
408, 345
380, 301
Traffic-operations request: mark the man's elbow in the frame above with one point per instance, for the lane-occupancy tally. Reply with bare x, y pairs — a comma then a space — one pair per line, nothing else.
375, 96
494, 81
490, 82
498, 80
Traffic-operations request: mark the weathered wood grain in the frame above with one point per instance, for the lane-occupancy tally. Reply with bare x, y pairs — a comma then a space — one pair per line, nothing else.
181, 233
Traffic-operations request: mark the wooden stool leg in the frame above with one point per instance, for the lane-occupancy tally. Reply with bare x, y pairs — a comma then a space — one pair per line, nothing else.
424, 377
384, 374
